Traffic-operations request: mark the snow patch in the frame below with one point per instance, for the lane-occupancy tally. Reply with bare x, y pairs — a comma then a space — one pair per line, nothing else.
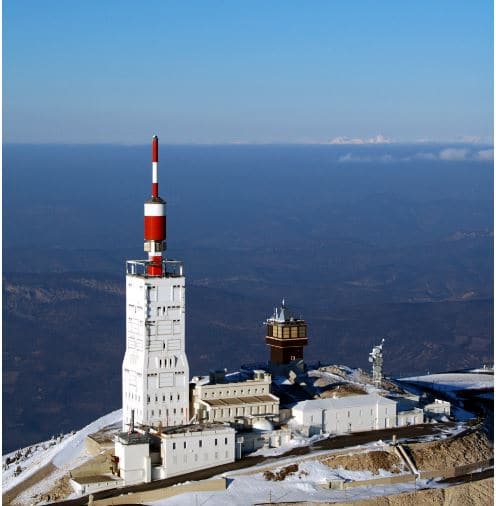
66, 454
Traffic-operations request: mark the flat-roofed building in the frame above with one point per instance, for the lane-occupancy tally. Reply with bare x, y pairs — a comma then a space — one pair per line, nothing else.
437, 409
353, 413
218, 399
158, 454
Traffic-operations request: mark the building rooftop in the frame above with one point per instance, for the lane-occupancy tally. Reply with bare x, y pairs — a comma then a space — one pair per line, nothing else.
350, 401
217, 378
195, 427
134, 438
240, 401
282, 315
97, 478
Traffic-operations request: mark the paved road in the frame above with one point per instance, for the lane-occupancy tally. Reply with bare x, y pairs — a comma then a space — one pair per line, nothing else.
405, 434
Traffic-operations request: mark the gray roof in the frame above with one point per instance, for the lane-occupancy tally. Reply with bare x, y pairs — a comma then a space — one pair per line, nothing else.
349, 401
134, 438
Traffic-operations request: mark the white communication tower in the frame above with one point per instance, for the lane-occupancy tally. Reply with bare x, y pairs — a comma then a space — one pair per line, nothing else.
375, 356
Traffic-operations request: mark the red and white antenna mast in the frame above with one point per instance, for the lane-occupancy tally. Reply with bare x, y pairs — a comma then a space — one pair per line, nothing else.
155, 220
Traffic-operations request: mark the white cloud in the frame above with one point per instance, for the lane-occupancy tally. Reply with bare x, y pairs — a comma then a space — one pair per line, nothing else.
378, 139
472, 139
484, 155
453, 154
349, 157
425, 156
447, 155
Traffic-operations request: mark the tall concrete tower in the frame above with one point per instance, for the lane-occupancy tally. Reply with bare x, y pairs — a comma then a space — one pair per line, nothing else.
155, 371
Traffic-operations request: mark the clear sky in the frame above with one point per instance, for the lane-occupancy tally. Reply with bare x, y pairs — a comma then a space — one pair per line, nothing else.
246, 71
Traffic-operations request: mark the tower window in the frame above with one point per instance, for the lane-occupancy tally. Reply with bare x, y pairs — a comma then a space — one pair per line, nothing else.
215, 442
200, 443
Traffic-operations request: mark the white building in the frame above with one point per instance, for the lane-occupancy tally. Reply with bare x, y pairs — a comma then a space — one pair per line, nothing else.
133, 453
198, 446
143, 457
155, 371
414, 416
216, 399
260, 435
437, 409
342, 415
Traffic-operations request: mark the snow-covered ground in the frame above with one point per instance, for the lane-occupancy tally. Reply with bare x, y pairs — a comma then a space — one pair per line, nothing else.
304, 485
449, 382
65, 454
352, 376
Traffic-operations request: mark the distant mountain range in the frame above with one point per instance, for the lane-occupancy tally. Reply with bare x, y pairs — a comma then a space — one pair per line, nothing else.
401, 252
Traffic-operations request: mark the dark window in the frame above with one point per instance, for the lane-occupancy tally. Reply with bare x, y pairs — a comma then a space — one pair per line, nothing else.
200, 443
216, 442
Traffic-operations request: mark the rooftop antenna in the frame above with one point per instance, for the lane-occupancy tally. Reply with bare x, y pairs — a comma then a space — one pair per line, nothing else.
375, 356
131, 425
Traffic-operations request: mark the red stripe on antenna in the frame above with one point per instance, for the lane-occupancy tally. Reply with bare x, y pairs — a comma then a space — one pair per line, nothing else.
155, 149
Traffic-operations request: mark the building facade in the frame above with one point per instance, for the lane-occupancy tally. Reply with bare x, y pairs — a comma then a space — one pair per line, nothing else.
286, 337
354, 413
198, 446
144, 457
218, 400
155, 370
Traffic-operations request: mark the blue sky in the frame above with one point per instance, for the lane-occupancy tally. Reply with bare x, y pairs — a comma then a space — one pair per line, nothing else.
246, 71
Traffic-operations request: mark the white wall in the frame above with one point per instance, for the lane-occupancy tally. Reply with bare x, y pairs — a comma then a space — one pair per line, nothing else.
184, 453
134, 462
412, 417
318, 415
155, 371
